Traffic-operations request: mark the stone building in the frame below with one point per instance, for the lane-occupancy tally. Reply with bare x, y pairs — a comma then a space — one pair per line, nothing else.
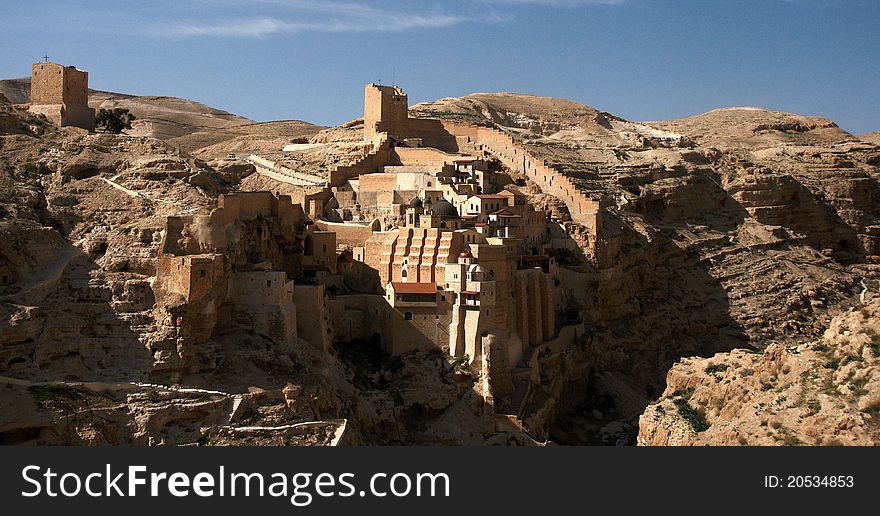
466, 266
385, 108
61, 93
249, 264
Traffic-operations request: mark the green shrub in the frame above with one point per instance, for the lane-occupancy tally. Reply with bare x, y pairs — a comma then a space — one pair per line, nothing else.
716, 368
113, 120
684, 393
697, 421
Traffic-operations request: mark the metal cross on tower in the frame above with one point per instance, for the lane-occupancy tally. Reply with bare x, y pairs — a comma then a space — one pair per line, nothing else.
46, 58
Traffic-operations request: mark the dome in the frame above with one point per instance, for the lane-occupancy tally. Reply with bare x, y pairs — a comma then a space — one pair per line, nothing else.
476, 268
415, 202
346, 256
445, 209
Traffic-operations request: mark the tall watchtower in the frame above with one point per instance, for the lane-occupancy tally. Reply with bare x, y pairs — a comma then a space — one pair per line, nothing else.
62, 94
386, 109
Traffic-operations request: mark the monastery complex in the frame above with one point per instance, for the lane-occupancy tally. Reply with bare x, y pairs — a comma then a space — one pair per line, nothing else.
471, 270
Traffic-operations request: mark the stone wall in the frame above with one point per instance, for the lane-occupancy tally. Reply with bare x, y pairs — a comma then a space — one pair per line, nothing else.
312, 319
191, 276
422, 156
421, 252
384, 113
263, 301
219, 231
350, 234
583, 209
358, 317
372, 162
377, 182
533, 315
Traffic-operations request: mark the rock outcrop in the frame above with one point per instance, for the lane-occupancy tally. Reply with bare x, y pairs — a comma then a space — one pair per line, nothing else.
825, 392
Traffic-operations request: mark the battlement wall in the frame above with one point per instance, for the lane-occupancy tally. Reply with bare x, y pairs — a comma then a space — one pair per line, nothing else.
582, 208
379, 157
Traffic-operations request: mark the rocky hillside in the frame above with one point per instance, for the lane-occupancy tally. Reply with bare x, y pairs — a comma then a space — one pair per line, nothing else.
189, 125
823, 392
82, 358
739, 229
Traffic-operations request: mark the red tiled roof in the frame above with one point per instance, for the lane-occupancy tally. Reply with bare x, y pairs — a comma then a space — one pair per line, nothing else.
414, 288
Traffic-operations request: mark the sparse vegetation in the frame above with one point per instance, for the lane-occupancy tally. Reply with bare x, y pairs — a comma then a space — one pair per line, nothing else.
697, 421
113, 120
716, 368
55, 393
685, 393
460, 364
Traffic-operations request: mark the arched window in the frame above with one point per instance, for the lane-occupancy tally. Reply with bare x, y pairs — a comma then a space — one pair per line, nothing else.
408, 316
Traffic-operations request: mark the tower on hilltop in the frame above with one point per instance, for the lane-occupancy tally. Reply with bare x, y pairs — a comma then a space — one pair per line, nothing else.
386, 109
62, 94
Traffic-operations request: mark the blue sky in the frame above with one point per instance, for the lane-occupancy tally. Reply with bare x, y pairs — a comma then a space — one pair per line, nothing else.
639, 59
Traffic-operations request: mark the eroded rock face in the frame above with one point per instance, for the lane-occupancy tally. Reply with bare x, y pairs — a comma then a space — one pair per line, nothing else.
738, 229
826, 392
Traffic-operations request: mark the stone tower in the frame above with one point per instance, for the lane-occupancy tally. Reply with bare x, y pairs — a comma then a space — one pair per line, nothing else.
62, 94
385, 110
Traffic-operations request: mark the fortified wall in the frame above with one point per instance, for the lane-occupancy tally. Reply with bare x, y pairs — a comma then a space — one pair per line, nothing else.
386, 113
583, 209
61, 93
379, 157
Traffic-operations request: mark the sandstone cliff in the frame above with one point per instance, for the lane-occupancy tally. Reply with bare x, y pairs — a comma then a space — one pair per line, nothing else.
823, 392
738, 228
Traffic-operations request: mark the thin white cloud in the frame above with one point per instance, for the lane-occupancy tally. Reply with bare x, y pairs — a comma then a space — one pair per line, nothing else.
313, 17
561, 3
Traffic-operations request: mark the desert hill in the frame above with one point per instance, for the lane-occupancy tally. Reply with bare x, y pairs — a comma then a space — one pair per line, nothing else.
756, 128
871, 137
540, 115
187, 124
